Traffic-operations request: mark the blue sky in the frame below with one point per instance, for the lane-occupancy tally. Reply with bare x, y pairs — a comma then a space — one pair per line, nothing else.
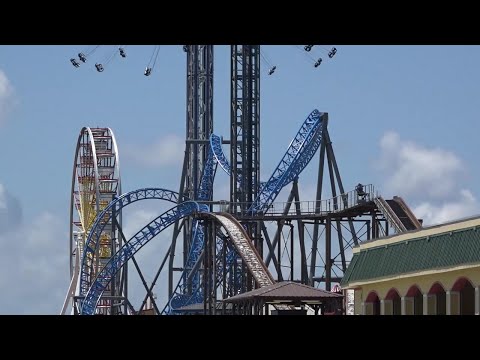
404, 118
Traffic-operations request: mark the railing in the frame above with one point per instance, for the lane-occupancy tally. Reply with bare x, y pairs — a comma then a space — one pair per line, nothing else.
333, 205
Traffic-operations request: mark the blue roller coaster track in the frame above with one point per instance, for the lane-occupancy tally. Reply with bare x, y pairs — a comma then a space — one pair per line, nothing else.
301, 150
299, 153
126, 252
104, 218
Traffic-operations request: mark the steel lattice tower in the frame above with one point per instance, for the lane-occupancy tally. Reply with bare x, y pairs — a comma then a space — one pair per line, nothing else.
245, 124
245, 135
199, 113
199, 127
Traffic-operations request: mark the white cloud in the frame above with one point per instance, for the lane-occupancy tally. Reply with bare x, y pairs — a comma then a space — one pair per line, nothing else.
414, 170
34, 273
3, 200
168, 150
432, 214
429, 178
10, 211
6, 95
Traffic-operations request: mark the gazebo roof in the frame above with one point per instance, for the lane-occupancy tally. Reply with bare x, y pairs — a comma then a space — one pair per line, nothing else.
286, 291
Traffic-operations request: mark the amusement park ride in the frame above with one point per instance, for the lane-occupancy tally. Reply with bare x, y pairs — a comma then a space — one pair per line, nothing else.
228, 247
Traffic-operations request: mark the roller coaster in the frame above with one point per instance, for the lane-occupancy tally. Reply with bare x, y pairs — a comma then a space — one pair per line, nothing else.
227, 247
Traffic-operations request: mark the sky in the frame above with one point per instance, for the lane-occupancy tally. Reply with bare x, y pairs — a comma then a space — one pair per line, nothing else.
404, 118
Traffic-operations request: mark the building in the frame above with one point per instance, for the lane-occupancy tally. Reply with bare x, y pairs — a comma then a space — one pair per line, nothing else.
434, 270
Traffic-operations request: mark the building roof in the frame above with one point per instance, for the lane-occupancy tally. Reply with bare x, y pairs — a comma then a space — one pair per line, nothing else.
285, 290
422, 232
199, 307
451, 245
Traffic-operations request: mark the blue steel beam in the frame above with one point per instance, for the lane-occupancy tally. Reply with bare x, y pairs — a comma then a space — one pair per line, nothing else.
180, 295
129, 249
217, 151
216, 145
115, 206
185, 294
298, 155
205, 191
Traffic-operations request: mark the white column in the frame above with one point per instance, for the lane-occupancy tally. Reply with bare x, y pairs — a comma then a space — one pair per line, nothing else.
388, 307
382, 307
425, 304
448, 302
403, 305
477, 300
363, 308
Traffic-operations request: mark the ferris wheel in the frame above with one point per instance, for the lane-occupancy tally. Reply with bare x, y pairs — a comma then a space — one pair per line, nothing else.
95, 182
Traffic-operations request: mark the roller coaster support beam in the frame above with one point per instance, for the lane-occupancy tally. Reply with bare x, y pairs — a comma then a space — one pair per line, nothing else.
271, 252
279, 228
142, 278
328, 254
208, 266
123, 277
224, 275
303, 255
213, 277
317, 211
150, 289
335, 181
340, 186
176, 226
